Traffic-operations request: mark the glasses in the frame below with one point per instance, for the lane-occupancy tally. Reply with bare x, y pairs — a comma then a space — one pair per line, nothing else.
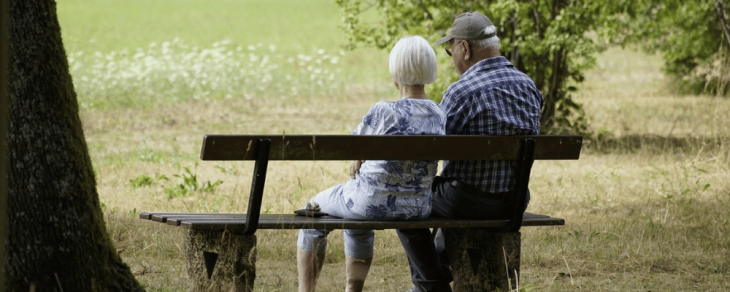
448, 48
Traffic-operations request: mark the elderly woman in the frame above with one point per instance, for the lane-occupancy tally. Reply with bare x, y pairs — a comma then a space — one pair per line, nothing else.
381, 189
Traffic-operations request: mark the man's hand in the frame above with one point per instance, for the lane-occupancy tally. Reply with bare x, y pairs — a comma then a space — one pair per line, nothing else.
355, 167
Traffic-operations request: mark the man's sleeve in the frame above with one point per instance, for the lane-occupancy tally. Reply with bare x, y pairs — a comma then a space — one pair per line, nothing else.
457, 112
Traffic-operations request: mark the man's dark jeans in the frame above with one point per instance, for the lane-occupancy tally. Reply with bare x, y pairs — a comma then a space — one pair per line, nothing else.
452, 198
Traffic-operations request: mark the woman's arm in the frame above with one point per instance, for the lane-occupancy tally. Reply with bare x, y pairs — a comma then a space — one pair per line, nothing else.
368, 126
355, 167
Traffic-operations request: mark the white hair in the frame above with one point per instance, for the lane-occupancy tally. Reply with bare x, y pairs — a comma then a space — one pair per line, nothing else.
412, 61
490, 43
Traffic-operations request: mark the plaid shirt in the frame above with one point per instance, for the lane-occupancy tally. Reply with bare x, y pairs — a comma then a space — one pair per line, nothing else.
491, 98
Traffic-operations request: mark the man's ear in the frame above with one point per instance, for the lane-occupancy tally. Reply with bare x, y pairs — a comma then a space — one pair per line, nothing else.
467, 50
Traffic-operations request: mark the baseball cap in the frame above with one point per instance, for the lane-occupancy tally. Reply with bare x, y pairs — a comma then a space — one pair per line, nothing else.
468, 26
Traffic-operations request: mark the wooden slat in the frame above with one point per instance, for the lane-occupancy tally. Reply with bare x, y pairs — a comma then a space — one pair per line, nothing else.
236, 222
159, 216
353, 147
162, 218
177, 220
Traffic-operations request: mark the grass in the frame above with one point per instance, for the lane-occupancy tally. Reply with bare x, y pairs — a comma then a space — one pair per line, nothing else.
645, 205
109, 25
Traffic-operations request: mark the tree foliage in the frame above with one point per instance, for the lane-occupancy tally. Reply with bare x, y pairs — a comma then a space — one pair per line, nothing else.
688, 33
555, 41
552, 41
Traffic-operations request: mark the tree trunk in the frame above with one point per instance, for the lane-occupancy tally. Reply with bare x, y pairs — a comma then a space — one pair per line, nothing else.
56, 239
4, 60
721, 15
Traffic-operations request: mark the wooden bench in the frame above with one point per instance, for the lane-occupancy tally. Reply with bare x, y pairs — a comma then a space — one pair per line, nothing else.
485, 254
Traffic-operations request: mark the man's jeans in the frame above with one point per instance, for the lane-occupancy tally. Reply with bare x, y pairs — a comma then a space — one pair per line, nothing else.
452, 198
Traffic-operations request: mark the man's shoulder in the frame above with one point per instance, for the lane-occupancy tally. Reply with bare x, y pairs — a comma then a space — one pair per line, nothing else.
465, 86
505, 76
490, 78
469, 85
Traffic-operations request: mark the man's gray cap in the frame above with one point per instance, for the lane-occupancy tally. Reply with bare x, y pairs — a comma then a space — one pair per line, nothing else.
469, 26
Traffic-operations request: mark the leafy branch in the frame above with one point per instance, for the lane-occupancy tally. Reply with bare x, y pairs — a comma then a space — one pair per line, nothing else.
551, 41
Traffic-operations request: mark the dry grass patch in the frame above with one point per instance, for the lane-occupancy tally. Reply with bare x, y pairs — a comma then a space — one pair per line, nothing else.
645, 205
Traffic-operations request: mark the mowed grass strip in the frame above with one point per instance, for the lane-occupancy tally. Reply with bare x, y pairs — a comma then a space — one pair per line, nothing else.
644, 206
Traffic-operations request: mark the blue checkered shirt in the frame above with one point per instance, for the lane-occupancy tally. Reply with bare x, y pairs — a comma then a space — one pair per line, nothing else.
491, 98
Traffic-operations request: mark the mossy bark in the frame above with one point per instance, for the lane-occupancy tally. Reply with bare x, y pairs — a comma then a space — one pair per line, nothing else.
56, 239
483, 260
220, 261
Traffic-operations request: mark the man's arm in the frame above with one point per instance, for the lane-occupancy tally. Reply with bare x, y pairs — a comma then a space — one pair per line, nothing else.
457, 111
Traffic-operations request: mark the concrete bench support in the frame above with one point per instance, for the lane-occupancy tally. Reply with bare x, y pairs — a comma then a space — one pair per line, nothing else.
483, 260
220, 261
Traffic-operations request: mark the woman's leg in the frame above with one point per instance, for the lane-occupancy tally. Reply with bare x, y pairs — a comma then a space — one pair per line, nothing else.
312, 243
309, 265
357, 270
359, 252
330, 201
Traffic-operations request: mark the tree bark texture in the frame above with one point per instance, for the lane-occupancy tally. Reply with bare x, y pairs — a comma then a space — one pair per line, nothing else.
483, 260
57, 240
220, 261
4, 100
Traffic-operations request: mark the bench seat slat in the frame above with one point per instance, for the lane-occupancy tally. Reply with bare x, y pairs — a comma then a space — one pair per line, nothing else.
180, 216
355, 147
235, 222
160, 217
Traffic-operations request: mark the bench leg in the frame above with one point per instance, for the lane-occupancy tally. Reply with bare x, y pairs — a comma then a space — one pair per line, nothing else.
220, 261
483, 260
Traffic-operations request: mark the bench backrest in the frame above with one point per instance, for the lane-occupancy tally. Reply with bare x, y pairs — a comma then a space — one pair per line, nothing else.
262, 148
351, 147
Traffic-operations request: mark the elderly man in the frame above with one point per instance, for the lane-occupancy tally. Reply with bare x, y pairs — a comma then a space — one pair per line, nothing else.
491, 97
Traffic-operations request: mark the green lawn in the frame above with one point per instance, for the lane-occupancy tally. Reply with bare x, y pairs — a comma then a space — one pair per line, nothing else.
112, 25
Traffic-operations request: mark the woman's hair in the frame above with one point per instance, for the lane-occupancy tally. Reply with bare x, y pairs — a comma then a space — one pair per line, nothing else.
412, 61
490, 43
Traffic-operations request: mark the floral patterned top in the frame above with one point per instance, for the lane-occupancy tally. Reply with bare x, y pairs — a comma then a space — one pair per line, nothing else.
396, 189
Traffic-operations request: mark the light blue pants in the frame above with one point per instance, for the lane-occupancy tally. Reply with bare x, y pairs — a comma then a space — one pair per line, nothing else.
358, 242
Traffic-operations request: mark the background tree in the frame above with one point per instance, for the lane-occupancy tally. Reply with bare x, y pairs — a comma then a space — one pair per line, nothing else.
552, 41
690, 35
56, 239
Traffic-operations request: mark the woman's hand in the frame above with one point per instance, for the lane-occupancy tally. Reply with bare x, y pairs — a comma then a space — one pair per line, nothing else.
355, 167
